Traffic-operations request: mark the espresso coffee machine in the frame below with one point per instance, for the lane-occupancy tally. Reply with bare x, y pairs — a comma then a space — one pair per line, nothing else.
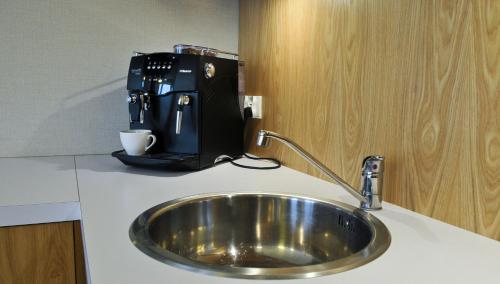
189, 99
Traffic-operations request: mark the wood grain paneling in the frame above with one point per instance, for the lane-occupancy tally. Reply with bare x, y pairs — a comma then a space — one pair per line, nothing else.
417, 81
41, 254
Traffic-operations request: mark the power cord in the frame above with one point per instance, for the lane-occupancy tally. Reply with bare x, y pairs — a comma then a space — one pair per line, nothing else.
247, 113
277, 164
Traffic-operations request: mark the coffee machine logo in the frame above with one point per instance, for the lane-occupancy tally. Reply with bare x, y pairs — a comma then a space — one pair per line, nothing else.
136, 72
185, 71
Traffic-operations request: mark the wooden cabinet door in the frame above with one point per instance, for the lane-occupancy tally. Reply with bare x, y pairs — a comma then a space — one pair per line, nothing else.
80, 267
42, 253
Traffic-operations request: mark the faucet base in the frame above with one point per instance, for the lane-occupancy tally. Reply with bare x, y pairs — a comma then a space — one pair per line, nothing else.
374, 203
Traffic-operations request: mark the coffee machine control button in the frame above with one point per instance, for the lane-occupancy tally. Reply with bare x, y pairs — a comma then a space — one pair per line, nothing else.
209, 70
132, 99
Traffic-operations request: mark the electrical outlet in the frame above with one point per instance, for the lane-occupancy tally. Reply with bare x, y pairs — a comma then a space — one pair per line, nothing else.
255, 102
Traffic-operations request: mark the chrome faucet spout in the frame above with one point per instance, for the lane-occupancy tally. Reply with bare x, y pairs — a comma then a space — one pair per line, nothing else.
372, 173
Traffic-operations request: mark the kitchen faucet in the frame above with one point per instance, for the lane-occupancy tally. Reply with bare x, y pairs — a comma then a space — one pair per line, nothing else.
372, 173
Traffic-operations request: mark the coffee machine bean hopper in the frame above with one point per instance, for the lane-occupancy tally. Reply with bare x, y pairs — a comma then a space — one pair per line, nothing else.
189, 99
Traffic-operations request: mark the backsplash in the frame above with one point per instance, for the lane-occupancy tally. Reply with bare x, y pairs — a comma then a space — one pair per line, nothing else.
64, 65
415, 81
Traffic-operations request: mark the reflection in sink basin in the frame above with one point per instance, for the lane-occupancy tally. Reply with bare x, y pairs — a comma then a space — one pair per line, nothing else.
260, 236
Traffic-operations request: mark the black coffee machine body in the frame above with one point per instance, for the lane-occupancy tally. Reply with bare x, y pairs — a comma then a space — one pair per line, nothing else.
191, 104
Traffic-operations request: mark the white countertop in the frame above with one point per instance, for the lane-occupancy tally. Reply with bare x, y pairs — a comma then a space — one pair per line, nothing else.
38, 190
112, 195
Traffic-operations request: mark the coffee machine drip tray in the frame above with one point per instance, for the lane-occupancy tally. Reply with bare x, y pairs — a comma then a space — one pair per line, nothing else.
170, 161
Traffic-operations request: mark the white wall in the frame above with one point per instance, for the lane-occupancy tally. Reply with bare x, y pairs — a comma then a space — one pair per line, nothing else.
63, 65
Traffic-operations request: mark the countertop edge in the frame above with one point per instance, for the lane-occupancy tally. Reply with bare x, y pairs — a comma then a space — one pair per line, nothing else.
39, 213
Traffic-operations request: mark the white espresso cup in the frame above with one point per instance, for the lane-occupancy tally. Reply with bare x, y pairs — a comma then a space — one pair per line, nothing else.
136, 141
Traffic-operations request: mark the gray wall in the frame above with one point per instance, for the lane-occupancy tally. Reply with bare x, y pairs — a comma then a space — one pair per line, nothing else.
63, 65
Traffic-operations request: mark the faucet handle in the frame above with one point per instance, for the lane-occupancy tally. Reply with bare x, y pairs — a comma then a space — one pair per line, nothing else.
372, 182
373, 165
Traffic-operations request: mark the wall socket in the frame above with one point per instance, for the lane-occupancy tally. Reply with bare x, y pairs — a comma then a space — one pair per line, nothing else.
255, 102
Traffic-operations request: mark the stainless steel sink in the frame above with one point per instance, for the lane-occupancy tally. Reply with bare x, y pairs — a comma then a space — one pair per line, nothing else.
260, 236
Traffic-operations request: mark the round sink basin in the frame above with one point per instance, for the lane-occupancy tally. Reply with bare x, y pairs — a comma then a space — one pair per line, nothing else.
259, 236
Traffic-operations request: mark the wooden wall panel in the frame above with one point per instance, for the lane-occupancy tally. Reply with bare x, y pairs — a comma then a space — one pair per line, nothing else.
42, 253
417, 81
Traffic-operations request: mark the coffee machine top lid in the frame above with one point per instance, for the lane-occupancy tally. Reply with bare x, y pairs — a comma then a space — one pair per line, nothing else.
201, 50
